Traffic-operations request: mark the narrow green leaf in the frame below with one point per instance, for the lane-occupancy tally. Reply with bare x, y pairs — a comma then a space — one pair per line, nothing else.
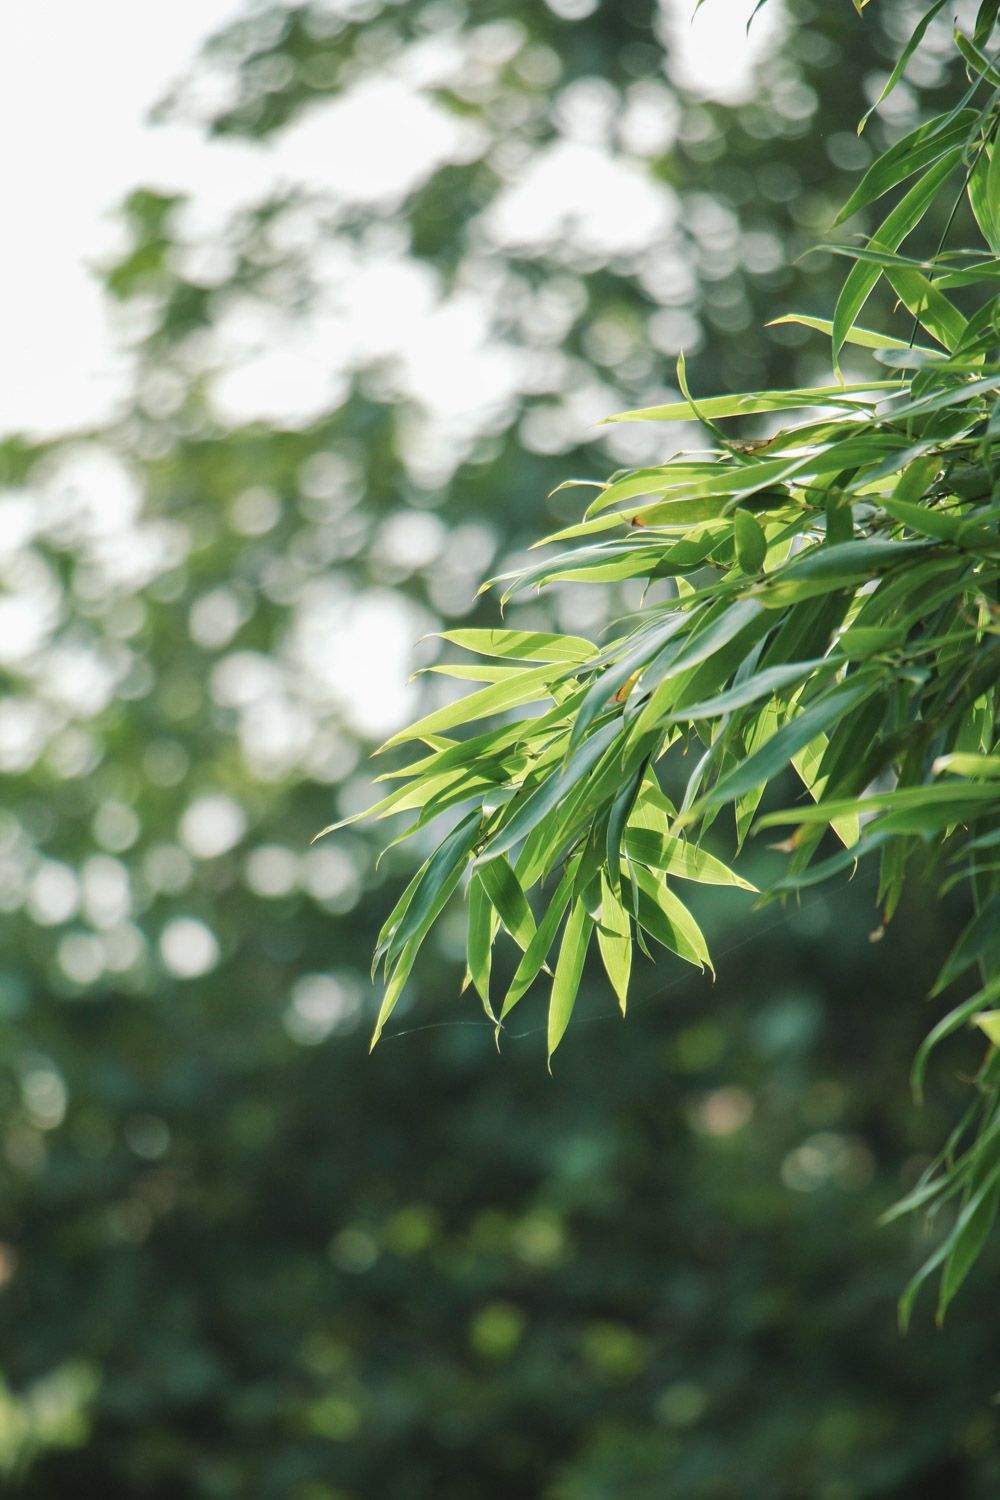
504, 890
983, 189
825, 568
968, 1238
925, 520
991, 197
528, 814
988, 1022
621, 808
899, 69
965, 764
569, 970
674, 855
979, 940
931, 308
666, 918
607, 685
394, 989
479, 941
951, 793
863, 641
979, 63
471, 671
918, 149
865, 338
751, 543
894, 229
522, 645
969, 1213
762, 685
526, 687
756, 402
537, 950
777, 751
438, 879
946, 1027
614, 939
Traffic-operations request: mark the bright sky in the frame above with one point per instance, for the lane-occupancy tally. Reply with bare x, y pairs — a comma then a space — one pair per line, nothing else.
79, 80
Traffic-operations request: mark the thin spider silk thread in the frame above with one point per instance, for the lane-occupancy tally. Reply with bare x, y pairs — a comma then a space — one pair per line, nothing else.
680, 979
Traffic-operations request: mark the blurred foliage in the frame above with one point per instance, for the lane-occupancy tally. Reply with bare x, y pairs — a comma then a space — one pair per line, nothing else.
239, 1258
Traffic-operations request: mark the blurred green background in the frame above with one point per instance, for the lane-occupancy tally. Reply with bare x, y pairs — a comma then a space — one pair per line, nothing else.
239, 1257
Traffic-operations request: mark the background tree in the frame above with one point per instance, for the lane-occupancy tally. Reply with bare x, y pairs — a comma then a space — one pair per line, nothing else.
226, 1270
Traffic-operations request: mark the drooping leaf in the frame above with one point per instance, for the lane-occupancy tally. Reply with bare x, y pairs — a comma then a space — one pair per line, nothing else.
614, 939
504, 891
568, 972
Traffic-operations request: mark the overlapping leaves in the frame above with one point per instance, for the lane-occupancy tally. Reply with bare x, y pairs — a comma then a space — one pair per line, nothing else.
833, 612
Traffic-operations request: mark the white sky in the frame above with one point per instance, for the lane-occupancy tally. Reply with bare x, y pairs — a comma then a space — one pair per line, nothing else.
79, 78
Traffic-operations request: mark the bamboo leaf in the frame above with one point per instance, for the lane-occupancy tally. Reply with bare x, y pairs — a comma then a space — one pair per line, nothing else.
778, 750
751, 543
865, 338
614, 939
674, 855
479, 941
666, 918
522, 645
526, 815
756, 402
916, 37
761, 685
919, 148
979, 940
904, 217
988, 1022
526, 687
569, 971
538, 948
504, 891
946, 1027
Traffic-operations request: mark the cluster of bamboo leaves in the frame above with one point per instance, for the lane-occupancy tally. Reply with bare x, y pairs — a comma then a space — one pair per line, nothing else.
834, 609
